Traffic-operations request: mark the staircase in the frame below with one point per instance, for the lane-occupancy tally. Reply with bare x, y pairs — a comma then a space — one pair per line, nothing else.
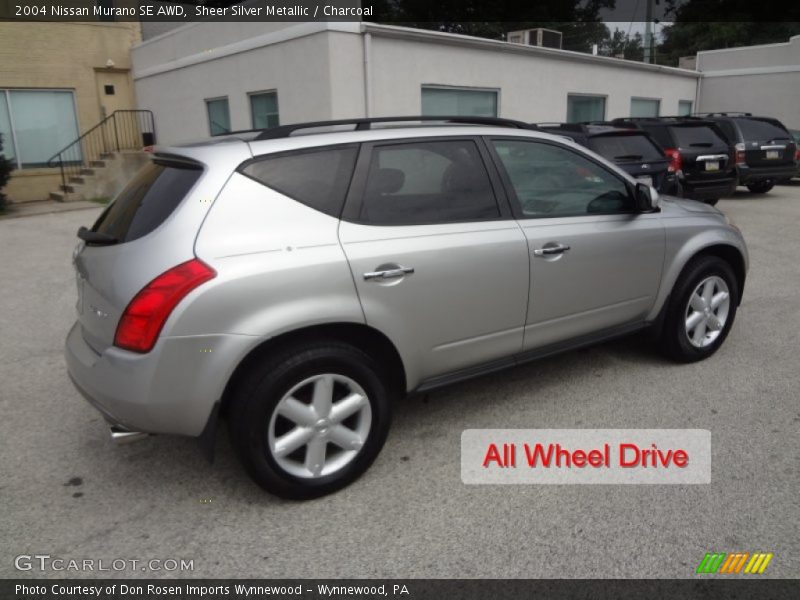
99, 162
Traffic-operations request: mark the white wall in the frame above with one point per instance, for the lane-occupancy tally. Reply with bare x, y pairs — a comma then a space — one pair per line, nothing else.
533, 87
318, 71
176, 85
763, 80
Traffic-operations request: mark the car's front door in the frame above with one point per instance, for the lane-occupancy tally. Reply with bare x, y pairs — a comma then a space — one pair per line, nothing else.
440, 266
595, 263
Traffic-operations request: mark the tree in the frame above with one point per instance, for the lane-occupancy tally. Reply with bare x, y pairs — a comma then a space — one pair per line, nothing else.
620, 43
6, 166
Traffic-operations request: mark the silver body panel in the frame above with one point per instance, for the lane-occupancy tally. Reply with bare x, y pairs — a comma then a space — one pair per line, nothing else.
479, 292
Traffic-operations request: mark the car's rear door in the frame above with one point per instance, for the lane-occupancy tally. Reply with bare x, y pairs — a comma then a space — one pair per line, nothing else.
766, 142
441, 267
595, 263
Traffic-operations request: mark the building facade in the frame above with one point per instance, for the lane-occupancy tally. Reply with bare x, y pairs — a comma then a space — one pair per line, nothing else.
764, 80
56, 81
207, 78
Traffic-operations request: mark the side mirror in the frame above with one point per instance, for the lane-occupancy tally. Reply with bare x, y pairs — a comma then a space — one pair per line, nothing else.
646, 198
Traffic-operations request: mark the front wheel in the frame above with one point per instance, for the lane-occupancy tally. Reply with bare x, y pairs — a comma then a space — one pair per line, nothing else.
701, 310
761, 187
310, 420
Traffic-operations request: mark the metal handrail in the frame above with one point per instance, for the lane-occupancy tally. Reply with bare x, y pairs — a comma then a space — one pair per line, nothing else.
121, 130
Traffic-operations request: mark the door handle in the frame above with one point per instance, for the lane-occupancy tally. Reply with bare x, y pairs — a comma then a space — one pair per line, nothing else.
388, 273
550, 250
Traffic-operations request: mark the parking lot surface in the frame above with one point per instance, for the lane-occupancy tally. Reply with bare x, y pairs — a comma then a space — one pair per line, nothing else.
67, 492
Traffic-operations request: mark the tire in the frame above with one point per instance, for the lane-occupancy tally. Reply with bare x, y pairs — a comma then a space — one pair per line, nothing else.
761, 187
676, 337
712, 201
262, 412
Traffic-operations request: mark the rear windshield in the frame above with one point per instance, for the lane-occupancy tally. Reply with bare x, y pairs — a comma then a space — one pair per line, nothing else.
697, 136
623, 148
147, 200
758, 130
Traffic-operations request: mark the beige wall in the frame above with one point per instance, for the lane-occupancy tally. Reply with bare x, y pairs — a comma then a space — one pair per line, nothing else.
61, 56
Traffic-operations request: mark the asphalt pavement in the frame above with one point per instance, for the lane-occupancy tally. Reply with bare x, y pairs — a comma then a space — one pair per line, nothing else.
67, 492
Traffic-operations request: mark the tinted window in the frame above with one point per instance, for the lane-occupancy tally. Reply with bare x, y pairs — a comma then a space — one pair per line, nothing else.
698, 136
624, 148
729, 131
661, 134
147, 200
318, 179
761, 130
427, 182
551, 181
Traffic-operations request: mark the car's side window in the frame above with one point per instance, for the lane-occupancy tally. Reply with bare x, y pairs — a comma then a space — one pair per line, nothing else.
318, 178
552, 181
439, 181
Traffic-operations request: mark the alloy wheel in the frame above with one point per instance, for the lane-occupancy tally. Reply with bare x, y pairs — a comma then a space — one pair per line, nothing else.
707, 311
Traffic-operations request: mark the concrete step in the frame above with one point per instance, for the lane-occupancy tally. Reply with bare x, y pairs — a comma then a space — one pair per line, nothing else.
98, 164
69, 188
108, 155
87, 171
67, 197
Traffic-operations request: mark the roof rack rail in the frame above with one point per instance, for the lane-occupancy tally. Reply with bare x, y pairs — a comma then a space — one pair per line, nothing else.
362, 124
727, 113
565, 126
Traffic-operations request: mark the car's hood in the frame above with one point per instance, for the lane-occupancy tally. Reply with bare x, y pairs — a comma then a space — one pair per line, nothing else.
672, 205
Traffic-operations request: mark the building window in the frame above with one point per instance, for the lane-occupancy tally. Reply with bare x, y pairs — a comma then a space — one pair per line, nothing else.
581, 108
645, 107
439, 101
36, 124
684, 107
264, 110
219, 117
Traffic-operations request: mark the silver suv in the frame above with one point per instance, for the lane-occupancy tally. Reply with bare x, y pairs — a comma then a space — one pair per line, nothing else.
297, 281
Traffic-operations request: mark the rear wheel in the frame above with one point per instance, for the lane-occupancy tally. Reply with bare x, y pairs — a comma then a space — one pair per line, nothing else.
310, 420
701, 311
761, 187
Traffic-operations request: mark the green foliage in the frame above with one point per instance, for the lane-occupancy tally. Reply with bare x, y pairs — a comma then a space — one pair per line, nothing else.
6, 166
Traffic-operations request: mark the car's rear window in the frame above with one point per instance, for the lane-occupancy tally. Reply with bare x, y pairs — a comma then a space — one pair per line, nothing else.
318, 178
761, 130
146, 202
625, 147
699, 136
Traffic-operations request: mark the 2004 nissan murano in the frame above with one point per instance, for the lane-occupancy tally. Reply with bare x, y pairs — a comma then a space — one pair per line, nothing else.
297, 280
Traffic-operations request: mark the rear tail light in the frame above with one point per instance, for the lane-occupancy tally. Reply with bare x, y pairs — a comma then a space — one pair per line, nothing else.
675, 160
740, 159
146, 314
797, 154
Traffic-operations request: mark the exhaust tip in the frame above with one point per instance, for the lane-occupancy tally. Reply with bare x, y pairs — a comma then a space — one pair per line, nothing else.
121, 436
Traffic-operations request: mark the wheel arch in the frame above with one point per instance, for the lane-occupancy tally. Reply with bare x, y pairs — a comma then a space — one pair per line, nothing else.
732, 256
364, 337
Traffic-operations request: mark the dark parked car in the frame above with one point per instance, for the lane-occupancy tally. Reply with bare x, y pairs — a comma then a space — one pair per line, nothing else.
796, 135
699, 153
633, 150
765, 150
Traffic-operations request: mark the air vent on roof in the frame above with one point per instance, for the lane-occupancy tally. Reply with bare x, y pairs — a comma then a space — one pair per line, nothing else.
536, 37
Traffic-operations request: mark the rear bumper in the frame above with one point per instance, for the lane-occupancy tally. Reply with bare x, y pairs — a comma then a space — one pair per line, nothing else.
749, 174
709, 190
171, 389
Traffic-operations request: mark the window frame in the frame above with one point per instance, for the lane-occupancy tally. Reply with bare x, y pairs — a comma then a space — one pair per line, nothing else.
604, 97
299, 151
206, 102
511, 193
460, 88
7, 93
358, 184
646, 99
250, 96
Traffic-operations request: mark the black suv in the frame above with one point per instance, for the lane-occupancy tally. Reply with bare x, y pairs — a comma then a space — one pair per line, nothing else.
765, 150
700, 154
633, 150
